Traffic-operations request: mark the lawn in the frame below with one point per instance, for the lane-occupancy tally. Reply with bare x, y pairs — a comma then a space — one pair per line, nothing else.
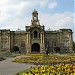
4, 55
1, 58
10, 54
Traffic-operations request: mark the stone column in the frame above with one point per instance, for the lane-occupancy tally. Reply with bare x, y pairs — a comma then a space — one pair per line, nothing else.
38, 35
70, 43
61, 42
28, 46
27, 38
9, 42
58, 38
41, 37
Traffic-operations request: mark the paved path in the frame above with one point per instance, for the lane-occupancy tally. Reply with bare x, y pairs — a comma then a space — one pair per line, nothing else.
8, 68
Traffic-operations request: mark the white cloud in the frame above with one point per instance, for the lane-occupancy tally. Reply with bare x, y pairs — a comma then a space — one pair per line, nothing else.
43, 2
15, 13
3, 2
14, 7
52, 5
58, 20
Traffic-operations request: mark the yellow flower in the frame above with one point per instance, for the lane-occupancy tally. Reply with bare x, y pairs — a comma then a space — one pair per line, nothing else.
29, 74
43, 74
36, 74
51, 74
43, 70
24, 74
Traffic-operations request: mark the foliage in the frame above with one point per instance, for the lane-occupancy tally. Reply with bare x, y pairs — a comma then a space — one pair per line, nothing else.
9, 54
1, 57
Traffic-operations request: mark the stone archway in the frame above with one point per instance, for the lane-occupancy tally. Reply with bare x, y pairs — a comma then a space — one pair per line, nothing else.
15, 49
57, 49
35, 47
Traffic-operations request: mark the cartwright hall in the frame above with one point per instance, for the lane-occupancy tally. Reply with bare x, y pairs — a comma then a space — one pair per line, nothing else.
36, 39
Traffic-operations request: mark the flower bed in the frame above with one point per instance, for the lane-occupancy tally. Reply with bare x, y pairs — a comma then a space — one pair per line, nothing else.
61, 69
50, 59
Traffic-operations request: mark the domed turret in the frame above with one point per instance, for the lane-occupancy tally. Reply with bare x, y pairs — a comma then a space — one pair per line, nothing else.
35, 20
34, 12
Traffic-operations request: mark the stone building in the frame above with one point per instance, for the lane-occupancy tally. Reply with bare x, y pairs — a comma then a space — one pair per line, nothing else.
36, 39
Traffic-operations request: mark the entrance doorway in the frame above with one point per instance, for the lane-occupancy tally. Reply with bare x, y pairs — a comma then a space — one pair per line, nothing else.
57, 49
35, 47
15, 49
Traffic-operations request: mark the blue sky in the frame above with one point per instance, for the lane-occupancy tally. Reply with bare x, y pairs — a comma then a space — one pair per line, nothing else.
53, 14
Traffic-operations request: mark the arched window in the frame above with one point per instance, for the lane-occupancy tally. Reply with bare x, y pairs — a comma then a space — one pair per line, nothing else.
35, 34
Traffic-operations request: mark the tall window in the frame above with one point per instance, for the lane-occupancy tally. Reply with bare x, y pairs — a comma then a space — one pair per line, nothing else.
31, 35
54, 44
35, 34
3, 33
66, 44
4, 44
39, 35
23, 44
16, 42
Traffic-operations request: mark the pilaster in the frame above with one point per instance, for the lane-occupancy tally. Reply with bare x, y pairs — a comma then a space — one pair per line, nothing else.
41, 38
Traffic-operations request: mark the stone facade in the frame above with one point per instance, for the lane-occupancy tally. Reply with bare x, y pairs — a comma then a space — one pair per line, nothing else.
36, 39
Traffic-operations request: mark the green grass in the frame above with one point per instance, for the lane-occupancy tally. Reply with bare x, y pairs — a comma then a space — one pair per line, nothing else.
21, 72
1, 58
9, 54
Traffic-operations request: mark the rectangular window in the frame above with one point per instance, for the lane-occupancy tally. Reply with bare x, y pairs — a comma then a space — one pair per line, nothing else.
54, 44
65, 44
23, 44
3, 33
31, 35
16, 42
50, 45
4, 44
39, 35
